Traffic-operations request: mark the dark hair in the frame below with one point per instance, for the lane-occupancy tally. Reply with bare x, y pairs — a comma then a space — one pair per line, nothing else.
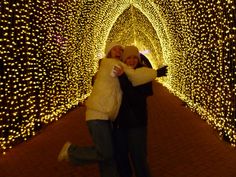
145, 61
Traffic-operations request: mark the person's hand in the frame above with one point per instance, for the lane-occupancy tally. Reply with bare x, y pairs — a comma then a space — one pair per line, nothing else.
162, 71
118, 70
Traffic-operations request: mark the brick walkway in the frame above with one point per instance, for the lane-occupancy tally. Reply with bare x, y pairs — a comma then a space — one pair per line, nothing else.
180, 145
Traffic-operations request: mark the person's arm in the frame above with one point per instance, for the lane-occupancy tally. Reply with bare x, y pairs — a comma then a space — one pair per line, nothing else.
141, 75
144, 75
160, 72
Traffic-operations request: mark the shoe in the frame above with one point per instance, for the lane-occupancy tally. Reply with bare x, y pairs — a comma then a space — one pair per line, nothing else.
63, 155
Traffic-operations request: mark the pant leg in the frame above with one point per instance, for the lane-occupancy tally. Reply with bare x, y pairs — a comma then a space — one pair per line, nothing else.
137, 138
101, 133
122, 152
83, 155
80, 155
101, 152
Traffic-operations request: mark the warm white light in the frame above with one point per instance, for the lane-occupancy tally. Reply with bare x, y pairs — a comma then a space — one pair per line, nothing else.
50, 50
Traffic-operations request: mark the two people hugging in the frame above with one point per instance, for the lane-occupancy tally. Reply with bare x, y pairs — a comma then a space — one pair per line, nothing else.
116, 115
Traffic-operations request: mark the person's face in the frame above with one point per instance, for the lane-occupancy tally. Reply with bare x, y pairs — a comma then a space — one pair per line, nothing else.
132, 61
116, 52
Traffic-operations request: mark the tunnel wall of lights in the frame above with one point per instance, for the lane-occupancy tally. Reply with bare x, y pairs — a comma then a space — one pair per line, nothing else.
49, 53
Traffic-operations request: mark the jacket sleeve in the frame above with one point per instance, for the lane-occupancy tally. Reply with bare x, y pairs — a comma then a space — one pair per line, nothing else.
140, 76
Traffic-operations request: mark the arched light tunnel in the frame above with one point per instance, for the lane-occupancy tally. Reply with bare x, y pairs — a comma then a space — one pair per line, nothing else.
49, 53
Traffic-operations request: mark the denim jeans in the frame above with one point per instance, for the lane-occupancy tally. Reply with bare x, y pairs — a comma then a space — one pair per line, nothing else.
131, 147
101, 152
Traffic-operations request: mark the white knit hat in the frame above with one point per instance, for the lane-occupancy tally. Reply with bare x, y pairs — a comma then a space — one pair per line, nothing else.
129, 51
112, 45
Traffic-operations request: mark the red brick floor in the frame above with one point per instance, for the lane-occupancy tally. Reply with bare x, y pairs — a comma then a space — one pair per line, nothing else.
180, 145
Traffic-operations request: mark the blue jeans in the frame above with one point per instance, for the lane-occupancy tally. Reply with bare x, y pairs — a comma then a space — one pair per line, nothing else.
101, 152
131, 147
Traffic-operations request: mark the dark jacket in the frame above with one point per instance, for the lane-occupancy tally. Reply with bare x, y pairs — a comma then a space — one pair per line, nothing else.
133, 109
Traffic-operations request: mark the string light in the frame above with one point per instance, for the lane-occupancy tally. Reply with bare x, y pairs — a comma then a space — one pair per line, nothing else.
49, 53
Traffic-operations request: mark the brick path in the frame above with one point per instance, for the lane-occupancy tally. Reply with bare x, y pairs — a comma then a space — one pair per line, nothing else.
180, 145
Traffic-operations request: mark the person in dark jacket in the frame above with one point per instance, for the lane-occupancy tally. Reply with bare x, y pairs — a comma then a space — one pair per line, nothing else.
130, 126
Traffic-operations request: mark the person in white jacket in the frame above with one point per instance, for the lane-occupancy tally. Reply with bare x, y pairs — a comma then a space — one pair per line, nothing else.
102, 107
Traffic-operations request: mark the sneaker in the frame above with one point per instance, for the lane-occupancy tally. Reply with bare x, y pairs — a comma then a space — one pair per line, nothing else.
63, 155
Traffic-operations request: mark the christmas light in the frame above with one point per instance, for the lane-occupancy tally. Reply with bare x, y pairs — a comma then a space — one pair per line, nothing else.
49, 53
